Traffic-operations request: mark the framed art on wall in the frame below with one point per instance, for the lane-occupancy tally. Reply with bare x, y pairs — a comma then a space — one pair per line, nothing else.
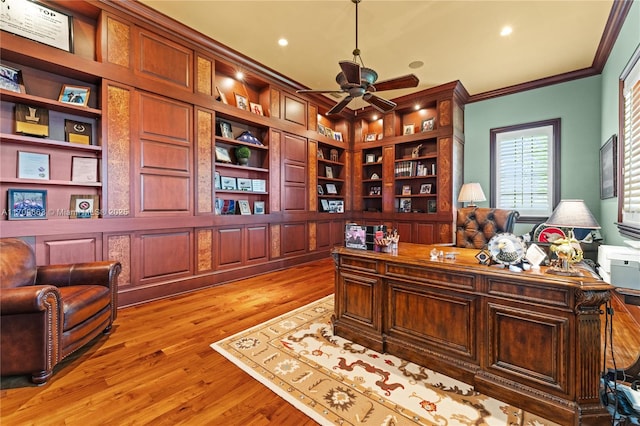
608, 168
76, 95
84, 207
11, 79
33, 165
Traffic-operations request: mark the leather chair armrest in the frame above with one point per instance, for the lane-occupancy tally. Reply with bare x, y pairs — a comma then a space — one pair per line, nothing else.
29, 299
104, 273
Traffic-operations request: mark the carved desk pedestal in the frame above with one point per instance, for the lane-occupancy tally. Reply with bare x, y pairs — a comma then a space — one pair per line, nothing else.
530, 339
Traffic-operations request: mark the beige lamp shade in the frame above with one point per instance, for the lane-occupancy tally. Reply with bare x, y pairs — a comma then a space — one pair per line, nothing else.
470, 193
572, 214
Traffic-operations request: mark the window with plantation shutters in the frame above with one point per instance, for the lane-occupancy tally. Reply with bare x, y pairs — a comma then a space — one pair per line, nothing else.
525, 169
629, 202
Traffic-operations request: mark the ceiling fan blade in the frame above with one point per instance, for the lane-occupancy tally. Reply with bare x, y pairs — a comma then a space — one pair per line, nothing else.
319, 91
382, 105
403, 82
351, 71
340, 105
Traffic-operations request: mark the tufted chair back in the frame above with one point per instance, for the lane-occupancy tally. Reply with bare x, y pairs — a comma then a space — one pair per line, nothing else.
17, 263
476, 225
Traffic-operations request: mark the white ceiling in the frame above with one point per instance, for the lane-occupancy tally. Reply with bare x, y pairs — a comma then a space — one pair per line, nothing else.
456, 40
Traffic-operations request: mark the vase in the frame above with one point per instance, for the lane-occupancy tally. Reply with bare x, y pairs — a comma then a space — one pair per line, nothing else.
243, 161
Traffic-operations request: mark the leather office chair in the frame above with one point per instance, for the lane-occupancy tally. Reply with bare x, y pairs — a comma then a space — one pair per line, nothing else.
476, 225
48, 312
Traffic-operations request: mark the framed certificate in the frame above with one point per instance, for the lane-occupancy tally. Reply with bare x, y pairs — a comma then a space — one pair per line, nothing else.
84, 169
33, 165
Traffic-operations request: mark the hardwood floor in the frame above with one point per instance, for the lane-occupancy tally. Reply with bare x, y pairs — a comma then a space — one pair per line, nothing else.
157, 367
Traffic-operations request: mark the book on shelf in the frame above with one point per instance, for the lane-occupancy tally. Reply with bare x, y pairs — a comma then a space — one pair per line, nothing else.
228, 207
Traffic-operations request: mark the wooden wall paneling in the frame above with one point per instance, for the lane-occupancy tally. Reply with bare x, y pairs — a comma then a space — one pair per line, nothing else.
275, 231
424, 233
204, 250
391, 123
61, 249
163, 156
356, 187
445, 185
163, 60
275, 104
257, 245
405, 230
294, 173
312, 237
444, 113
323, 234
347, 175
229, 247
275, 159
312, 119
118, 247
117, 149
388, 190
295, 109
337, 232
204, 161
293, 238
165, 254
205, 76
115, 45
312, 171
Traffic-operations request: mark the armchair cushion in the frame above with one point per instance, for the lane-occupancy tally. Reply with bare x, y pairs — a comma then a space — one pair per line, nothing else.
475, 226
48, 312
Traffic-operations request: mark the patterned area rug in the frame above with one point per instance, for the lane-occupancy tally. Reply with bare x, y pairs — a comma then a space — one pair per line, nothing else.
335, 381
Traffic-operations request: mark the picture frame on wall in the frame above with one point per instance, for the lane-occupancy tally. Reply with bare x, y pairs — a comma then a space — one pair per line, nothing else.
84, 207
221, 96
222, 155
407, 129
256, 108
37, 22
11, 79
608, 168
26, 204
427, 124
74, 95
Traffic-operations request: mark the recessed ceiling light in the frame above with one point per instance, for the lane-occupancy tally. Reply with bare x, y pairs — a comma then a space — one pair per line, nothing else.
239, 75
416, 64
283, 42
506, 30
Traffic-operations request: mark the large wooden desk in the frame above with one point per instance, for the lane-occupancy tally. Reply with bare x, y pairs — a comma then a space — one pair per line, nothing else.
530, 339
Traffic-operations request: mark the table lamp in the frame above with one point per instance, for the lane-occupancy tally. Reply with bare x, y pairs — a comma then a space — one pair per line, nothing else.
569, 214
471, 192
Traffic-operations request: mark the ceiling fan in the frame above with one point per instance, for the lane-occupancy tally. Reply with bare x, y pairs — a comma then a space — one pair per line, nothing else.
358, 81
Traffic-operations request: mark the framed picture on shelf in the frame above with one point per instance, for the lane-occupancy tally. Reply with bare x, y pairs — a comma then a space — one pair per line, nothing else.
258, 185
32, 120
375, 190
221, 96
427, 124
432, 206
75, 95
608, 168
244, 207
11, 79
84, 169
371, 158
380, 136
222, 155
406, 189
226, 130
84, 207
77, 132
321, 129
328, 171
33, 165
405, 205
241, 102
229, 183
407, 129
337, 136
320, 154
26, 204
425, 188
328, 132
258, 207
219, 204
331, 189
256, 108
320, 190
244, 184
370, 137
217, 181
325, 205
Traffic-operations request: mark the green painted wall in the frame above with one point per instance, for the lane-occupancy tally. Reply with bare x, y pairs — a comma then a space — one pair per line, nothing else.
623, 49
588, 110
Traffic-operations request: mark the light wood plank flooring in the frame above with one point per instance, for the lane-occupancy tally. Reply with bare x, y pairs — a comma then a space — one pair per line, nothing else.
157, 367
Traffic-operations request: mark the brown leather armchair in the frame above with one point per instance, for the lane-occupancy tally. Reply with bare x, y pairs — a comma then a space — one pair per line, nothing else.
476, 225
48, 312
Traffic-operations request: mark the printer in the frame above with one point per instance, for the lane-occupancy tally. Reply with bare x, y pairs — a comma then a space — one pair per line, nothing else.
620, 265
